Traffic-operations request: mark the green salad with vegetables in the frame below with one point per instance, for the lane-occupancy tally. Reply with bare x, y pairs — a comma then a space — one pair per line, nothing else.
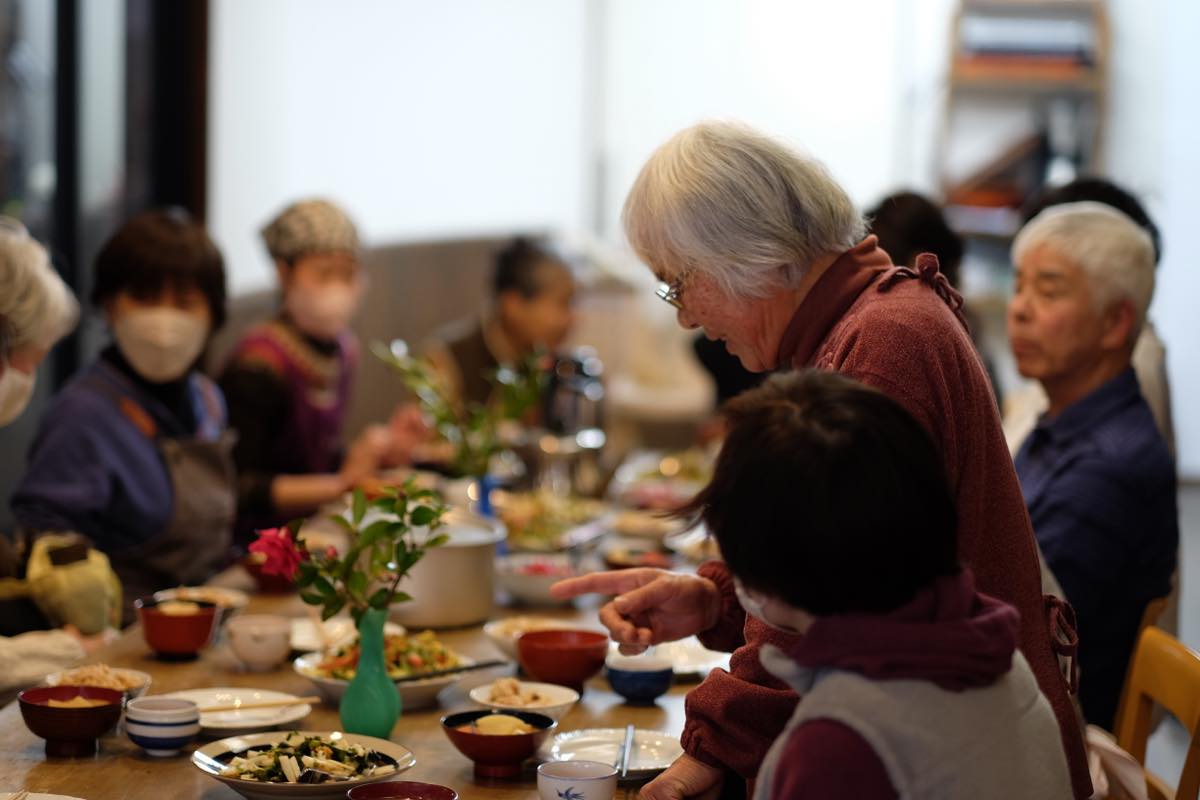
284, 762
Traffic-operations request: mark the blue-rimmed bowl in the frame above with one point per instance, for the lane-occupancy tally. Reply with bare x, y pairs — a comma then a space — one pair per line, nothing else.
162, 726
639, 679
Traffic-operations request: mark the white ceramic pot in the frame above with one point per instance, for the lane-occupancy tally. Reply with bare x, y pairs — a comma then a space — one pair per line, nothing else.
453, 585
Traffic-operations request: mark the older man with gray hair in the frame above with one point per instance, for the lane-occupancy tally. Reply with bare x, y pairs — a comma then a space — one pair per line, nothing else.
1096, 473
761, 248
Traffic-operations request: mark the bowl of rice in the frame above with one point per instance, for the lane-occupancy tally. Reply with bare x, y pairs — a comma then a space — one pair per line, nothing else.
132, 682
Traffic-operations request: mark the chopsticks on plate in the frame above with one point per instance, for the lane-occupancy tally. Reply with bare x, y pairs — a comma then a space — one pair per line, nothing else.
291, 701
21, 795
496, 662
626, 746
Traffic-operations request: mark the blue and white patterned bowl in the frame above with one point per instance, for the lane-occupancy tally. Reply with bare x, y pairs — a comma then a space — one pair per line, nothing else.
161, 726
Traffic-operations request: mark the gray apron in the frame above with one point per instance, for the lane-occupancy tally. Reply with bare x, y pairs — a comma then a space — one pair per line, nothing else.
195, 542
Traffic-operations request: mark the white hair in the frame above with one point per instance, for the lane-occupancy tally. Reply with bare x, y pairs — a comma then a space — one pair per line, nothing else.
1112, 250
36, 307
725, 200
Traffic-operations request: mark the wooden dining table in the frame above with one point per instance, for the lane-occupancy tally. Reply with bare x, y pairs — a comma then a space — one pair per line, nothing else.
121, 771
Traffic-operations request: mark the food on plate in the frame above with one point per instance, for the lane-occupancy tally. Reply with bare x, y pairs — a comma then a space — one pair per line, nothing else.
498, 725
511, 692
663, 482
647, 524
538, 519
178, 608
625, 557
543, 566
284, 762
101, 676
694, 545
76, 702
226, 598
405, 655
693, 466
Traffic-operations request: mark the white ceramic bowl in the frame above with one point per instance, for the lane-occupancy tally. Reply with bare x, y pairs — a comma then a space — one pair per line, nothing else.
161, 726
578, 780
260, 641
527, 577
413, 694
505, 632
559, 699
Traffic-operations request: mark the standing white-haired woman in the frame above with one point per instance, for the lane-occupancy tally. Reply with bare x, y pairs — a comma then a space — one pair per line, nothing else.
761, 248
36, 310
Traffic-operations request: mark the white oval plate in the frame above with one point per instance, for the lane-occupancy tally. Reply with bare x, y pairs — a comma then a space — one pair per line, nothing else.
37, 796
219, 750
413, 694
338, 631
688, 657
652, 751
224, 723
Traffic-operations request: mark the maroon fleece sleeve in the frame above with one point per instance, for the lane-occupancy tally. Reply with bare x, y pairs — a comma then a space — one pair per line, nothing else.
729, 632
824, 758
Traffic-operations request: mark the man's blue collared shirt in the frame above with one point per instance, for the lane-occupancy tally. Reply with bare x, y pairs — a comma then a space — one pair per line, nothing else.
1100, 486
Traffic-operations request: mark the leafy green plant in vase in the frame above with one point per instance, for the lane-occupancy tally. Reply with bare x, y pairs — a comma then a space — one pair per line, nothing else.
473, 430
387, 536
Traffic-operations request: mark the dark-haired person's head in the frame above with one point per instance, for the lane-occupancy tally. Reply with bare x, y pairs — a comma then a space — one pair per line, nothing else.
909, 224
829, 497
1096, 190
161, 283
534, 294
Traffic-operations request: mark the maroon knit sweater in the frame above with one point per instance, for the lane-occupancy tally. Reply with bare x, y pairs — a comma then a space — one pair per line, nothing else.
900, 331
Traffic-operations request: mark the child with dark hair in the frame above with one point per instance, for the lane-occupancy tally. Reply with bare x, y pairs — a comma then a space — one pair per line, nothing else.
833, 512
533, 292
909, 224
134, 454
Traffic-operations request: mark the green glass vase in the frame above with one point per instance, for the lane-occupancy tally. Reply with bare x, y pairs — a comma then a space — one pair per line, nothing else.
371, 704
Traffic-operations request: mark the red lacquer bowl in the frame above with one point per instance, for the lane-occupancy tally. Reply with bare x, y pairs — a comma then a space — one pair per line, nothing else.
177, 637
70, 732
565, 657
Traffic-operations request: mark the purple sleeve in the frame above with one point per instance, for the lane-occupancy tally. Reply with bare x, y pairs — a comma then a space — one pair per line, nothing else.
824, 758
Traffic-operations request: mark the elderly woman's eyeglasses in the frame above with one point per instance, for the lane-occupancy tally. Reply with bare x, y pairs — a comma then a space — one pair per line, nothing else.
671, 292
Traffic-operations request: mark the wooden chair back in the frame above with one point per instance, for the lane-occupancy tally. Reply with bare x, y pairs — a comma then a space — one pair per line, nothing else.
1167, 673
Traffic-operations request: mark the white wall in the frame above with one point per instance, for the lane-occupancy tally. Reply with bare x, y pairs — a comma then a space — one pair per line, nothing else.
423, 118
1177, 160
782, 66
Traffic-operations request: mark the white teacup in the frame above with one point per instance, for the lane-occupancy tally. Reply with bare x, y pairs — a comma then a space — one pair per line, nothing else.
260, 641
576, 780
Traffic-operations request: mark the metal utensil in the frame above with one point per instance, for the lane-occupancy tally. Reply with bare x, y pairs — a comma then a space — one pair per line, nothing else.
496, 662
209, 761
626, 746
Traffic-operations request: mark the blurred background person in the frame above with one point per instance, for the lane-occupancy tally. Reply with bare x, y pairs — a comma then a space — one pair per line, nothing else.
531, 310
1022, 407
287, 382
134, 453
1096, 473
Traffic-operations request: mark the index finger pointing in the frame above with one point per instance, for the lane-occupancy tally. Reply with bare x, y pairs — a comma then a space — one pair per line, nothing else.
612, 582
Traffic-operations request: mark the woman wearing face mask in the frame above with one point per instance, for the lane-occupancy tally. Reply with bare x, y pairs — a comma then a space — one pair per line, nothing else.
288, 380
134, 454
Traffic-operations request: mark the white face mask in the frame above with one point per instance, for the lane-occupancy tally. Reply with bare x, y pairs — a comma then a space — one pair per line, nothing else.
754, 604
323, 313
160, 343
16, 388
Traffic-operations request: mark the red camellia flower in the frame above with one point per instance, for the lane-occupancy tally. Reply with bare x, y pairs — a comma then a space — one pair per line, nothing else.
282, 554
